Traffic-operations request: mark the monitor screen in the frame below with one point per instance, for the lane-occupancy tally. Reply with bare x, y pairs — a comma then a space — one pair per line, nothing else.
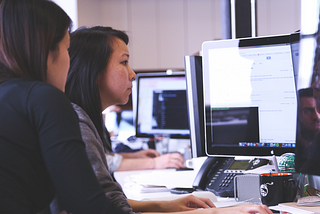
250, 96
161, 105
307, 158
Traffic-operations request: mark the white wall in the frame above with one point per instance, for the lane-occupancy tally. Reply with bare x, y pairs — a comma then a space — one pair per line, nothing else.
162, 32
71, 8
278, 16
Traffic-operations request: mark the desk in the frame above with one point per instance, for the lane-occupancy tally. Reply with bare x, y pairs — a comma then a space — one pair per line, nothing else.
154, 181
134, 191
124, 178
293, 208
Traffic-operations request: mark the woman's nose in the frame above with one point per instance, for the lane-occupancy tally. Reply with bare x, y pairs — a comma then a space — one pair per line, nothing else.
132, 75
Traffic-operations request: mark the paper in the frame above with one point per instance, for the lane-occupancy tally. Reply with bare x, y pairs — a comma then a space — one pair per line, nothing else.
203, 194
293, 208
144, 188
165, 178
309, 201
232, 203
158, 181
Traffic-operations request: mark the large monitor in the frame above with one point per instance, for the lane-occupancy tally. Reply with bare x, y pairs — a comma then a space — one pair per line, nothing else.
308, 90
250, 96
161, 105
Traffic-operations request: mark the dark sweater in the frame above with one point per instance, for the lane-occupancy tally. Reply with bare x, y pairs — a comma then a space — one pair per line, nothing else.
41, 150
97, 157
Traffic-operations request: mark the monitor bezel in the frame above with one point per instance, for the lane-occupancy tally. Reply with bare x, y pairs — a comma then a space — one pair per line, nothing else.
193, 68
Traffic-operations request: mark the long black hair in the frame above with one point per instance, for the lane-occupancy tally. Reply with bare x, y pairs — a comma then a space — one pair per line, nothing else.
29, 30
90, 52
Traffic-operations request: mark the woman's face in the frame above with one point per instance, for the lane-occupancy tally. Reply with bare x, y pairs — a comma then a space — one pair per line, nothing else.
115, 83
58, 64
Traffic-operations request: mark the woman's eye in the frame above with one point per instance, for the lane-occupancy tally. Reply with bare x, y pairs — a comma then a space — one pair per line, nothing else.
125, 62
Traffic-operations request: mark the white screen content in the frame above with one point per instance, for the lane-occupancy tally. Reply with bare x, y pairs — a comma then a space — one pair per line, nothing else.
257, 76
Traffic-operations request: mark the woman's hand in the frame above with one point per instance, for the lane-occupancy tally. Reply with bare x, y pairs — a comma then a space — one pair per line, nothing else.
146, 153
186, 203
170, 160
244, 209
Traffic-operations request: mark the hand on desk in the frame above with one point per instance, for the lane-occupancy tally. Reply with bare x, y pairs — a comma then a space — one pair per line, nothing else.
189, 202
170, 160
131, 161
186, 204
145, 153
243, 209
194, 205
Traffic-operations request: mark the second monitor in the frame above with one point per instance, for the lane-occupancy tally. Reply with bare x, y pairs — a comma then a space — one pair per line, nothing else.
161, 105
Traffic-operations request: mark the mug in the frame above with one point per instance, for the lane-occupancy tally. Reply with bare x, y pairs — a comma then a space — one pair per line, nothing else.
277, 188
195, 163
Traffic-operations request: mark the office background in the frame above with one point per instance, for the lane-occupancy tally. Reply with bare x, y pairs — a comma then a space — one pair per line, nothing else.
163, 31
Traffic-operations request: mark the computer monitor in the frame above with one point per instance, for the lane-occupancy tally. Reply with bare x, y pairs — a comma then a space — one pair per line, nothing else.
161, 105
194, 77
307, 157
249, 96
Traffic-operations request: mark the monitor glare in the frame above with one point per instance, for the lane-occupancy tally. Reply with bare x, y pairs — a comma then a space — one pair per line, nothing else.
307, 156
161, 105
249, 96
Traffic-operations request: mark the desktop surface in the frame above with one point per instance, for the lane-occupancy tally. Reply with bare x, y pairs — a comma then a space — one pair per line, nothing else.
125, 179
128, 181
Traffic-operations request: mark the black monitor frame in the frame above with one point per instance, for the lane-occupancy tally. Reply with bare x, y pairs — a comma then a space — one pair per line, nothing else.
194, 77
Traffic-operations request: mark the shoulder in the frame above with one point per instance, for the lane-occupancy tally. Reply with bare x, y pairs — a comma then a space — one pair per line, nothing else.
46, 96
45, 90
83, 116
28, 86
35, 90
89, 133
86, 125
35, 94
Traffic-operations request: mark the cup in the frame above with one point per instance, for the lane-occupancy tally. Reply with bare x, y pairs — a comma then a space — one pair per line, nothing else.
195, 163
162, 143
277, 188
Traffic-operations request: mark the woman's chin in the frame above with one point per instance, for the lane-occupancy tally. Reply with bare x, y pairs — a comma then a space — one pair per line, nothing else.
123, 102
